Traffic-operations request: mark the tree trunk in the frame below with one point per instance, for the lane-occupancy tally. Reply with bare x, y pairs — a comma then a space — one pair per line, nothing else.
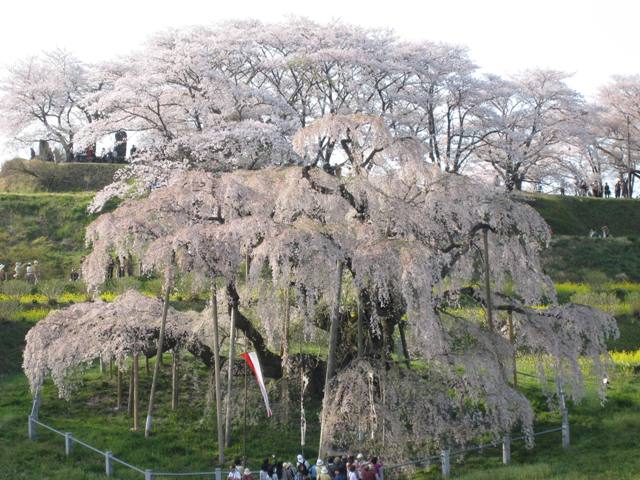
232, 353
156, 369
174, 378
331, 360
487, 280
146, 365
136, 392
216, 372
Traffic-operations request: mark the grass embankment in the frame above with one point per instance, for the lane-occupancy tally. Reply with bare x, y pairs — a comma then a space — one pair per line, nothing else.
577, 215
19, 175
44, 227
573, 255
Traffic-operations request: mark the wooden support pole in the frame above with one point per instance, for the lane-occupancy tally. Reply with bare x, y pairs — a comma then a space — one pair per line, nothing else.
487, 279
216, 371
156, 368
331, 360
136, 392
286, 364
118, 389
360, 328
512, 340
130, 395
232, 354
175, 358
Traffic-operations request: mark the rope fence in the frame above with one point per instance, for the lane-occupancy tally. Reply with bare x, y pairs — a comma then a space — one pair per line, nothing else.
444, 457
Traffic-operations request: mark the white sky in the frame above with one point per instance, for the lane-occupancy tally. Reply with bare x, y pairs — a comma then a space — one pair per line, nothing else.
591, 39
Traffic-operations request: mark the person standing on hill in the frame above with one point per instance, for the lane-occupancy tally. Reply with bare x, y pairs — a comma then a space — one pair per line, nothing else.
17, 271
29, 276
607, 190
617, 188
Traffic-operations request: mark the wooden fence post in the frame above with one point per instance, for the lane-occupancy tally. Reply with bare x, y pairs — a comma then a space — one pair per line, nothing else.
506, 449
446, 463
108, 463
68, 443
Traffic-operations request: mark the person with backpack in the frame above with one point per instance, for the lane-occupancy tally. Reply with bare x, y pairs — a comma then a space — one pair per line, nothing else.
314, 470
265, 470
324, 473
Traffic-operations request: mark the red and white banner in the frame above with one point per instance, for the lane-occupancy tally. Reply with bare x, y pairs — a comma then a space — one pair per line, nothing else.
252, 360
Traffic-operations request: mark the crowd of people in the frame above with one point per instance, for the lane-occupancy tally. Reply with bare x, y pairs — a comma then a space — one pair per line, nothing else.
22, 271
598, 190
346, 467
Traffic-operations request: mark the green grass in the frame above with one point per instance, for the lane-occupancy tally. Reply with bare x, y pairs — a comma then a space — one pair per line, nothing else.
577, 215
578, 258
48, 228
603, 442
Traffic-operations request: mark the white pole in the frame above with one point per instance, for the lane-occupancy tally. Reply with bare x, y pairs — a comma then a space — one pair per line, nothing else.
68, 443
506, 449
108, 464
446, 463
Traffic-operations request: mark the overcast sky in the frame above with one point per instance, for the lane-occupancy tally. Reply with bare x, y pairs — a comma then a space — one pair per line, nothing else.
591, 39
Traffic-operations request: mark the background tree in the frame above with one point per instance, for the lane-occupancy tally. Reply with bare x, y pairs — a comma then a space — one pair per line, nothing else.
620, 128
530, 119
42, 98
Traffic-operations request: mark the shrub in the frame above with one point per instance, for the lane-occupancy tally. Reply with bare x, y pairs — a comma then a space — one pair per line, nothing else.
16, 288
32, 299
69, 297
8, 309
626, 359
605, 301
52, 288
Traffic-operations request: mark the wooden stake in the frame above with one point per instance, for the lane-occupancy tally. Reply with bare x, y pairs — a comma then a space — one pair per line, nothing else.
156, 369
331, 360
513, 344
216, 371
232, 353
136, 392
119, 389
174, 378
487, 280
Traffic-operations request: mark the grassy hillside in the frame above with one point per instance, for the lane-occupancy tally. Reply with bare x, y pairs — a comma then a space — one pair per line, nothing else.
49, 227
20, 175
577, 215
44, 227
